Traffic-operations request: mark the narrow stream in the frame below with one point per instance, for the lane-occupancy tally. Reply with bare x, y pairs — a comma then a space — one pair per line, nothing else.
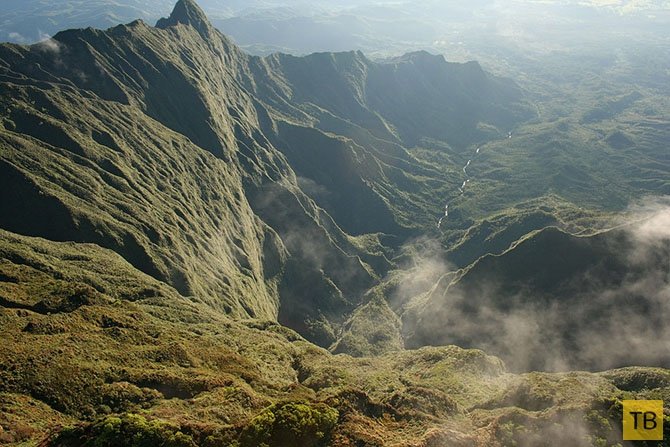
461, 189
465, 183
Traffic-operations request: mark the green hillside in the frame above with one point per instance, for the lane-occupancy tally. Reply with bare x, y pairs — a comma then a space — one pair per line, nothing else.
97, 353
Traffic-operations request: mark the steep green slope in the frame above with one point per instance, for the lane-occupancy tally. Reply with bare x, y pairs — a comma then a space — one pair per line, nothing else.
96, 352
139, 169
98, 171
620, 160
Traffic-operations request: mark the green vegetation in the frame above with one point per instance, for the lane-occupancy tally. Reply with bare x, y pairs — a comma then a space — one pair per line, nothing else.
129, 429
199, 247
161, 369
291, 423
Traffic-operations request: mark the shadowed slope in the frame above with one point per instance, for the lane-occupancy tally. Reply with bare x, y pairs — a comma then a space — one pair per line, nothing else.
556, 301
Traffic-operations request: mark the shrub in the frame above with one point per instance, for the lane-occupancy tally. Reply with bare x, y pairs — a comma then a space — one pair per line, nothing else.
295, 424
129, 430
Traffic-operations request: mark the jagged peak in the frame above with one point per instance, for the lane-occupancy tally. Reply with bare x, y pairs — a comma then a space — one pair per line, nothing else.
187, 12
427, 60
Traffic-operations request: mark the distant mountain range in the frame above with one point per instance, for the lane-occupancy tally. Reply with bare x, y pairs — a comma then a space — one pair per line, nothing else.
377, 27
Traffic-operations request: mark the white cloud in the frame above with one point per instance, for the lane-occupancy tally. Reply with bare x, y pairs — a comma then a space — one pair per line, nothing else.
18, 38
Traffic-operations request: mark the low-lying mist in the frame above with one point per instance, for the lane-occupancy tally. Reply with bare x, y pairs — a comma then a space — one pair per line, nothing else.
558, 302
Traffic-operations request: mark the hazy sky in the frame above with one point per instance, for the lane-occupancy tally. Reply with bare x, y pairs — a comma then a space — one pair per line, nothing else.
336, 25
